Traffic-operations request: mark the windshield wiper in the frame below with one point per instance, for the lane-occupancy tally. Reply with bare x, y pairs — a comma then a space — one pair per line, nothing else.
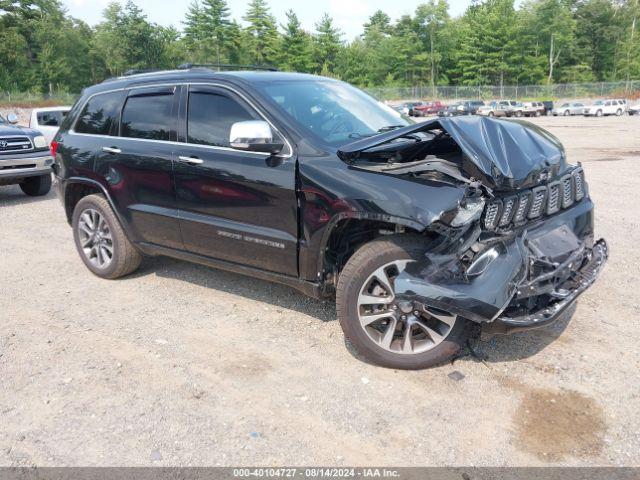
388, 128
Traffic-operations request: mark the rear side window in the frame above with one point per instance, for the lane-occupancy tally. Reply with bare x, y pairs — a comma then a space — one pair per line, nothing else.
51, 119
100, 114
148, 117
210, 118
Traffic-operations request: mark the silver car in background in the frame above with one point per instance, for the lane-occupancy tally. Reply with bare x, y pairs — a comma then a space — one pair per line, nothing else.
566, 109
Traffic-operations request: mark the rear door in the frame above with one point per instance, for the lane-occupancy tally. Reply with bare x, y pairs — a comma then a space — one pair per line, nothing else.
234, 205
137, 164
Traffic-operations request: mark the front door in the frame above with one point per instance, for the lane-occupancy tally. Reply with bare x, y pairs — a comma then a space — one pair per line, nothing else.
234, 205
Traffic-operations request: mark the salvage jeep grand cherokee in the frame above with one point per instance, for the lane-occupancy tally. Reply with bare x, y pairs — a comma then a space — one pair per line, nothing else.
420, 230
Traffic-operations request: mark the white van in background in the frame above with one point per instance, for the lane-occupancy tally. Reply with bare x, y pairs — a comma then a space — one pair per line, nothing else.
48, 120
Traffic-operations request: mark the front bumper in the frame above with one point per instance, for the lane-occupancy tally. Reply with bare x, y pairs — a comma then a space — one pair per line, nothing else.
527, 279
25, 165
583, 278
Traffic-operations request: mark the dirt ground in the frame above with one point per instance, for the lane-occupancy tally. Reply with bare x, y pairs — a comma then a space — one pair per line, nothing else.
184, 365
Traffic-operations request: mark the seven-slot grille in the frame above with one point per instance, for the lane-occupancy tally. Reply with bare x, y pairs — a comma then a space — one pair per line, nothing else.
531, 204
15, 144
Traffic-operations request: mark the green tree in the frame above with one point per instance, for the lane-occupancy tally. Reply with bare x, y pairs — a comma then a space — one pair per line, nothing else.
262, 33
487, 50
296, 51
208, 31
327, 44
432, 19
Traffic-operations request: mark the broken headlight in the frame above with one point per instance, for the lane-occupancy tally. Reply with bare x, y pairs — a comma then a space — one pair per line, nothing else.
468, 211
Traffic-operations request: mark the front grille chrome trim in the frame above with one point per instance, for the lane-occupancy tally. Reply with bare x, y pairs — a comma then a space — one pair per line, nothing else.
515, 210
15, 144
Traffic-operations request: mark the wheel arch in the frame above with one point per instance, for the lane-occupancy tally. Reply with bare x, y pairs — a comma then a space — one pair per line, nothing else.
77, 188
346, 232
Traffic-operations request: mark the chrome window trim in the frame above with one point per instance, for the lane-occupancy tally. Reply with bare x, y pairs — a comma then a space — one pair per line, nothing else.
169, 84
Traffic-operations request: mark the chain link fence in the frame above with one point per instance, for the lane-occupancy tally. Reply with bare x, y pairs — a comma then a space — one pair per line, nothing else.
565, 91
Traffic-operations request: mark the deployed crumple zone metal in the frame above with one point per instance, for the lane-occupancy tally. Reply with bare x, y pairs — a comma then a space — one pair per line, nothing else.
502, 154
533, 252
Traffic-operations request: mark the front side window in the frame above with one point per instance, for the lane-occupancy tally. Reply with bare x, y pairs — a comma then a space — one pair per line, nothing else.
148, 117
210, 117
100, 114
334, 111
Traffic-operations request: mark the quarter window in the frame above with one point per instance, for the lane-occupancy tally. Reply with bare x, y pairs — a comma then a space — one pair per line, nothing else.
100, 114
210, 118
148, 117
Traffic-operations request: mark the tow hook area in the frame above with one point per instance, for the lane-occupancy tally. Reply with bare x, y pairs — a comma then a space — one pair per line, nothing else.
522, 282
581, 276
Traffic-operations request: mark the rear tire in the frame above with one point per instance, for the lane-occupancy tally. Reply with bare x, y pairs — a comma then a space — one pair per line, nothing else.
36, 186
567, 113
618, 112
93, 214
424, 350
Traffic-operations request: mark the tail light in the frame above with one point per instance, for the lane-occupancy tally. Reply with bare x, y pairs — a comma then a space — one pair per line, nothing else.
53, 148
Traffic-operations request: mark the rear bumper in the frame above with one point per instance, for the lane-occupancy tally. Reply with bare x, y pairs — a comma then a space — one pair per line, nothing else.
26, 165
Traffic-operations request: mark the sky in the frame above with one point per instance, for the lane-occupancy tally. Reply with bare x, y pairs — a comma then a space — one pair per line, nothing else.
349, 15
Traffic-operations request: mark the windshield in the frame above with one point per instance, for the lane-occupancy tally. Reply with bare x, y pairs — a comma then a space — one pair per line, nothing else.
599, 102
335, 111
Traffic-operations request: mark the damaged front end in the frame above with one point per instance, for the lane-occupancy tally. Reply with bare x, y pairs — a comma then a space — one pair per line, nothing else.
519, 249
513, 282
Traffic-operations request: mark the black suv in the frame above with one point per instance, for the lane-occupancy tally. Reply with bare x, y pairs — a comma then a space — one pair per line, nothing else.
421, 231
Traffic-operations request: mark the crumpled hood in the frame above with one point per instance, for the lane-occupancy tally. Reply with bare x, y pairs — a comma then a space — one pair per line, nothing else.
509, 154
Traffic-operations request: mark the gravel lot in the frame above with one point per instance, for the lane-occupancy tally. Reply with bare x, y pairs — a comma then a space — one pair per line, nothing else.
184, 365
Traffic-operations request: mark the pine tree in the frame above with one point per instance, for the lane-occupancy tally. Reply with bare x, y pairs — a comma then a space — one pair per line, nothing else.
296, 53
208, 31
262, 33
327, 44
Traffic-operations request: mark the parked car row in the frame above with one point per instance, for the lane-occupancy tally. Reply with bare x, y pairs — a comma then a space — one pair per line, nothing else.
512, 108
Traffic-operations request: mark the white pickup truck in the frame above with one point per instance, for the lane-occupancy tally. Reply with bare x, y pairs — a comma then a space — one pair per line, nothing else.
48, 120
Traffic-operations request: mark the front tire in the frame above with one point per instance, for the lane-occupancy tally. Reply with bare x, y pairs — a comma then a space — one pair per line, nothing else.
567, 113
36, 186
393, 332
100, 240
599, 113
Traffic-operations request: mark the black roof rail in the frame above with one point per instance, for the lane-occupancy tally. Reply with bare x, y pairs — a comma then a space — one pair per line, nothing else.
138, 71
226, 66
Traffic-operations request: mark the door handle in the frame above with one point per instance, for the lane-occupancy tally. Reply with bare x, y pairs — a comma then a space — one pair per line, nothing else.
191, 160
111, 150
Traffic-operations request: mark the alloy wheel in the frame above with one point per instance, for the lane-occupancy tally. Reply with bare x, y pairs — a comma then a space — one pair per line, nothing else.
95, 238
399, 325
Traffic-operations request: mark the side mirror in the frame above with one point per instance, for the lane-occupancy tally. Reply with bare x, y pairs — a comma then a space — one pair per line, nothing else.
254, 136
12, 118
